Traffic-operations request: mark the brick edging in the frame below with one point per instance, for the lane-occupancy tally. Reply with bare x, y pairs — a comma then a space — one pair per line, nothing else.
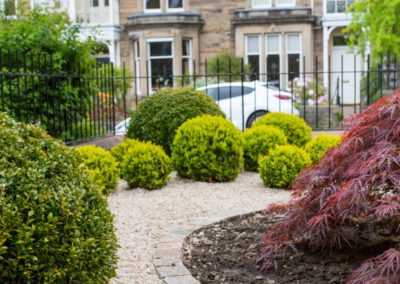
167, 259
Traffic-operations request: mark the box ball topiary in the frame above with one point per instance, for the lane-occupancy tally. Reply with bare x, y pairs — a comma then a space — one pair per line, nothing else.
159, 116
320, 144
297, 131
208, 148
122, 148
54, 224
257, 141
101, 166
147, 166
282, 165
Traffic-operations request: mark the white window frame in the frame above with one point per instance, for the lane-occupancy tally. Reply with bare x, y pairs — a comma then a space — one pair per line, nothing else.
174, 9
273, 53
288, 53
149, 57
292, 4
3, 8
247, 53
261, 6
138, 70
336, 12
190, 56
151, 10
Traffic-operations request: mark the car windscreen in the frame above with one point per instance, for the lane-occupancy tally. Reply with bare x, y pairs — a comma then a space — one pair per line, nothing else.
228, 92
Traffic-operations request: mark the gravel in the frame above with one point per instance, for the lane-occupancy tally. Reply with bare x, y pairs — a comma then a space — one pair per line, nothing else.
143, 217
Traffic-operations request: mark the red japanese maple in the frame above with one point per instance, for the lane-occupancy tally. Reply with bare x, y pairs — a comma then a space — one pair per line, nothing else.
350, 199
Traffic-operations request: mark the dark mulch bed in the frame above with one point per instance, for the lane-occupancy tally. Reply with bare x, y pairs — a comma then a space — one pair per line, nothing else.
227, 252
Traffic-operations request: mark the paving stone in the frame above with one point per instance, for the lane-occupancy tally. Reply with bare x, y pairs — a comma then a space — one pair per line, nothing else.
169, 271
187, 279
167, 253
167, 262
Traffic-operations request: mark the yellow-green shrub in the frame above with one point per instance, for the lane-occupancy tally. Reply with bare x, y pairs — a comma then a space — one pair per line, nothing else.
208, 148
54, 224
121, 149
147, 166
257, 141
282, 165
318, 146
102, 167
297, 131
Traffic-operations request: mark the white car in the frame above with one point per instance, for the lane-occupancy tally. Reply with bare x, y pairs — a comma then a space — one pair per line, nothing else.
122, 127
257, 100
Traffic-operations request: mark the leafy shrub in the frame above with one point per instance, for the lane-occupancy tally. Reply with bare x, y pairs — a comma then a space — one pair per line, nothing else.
318, 146
121, 149
208, 148
257, 141
350, 199
54, 226
282, 165
146, 165
101, 166
158, 117
297, 131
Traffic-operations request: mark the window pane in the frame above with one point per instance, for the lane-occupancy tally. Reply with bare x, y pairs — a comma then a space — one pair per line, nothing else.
161, 73
237, 91
273, 69
341, 6
284, 2
95, 3
330, 8
106, 3
273, 44
186, 48
339, 41
175, 4
254, 62
212, 92
161, 48
9, 7
294, 66
253, 44
153, 4
261, 3
293, 43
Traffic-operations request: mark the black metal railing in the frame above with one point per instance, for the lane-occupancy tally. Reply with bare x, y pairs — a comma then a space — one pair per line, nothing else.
71, 102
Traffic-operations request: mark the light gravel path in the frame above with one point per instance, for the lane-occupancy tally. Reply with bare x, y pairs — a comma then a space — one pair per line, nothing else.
143, 217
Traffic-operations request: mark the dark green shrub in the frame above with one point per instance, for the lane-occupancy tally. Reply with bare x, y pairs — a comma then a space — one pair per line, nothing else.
282, 165
297, 131
121, 149
54, 224
208, 148
159, 116
257, 141
102, 167
318, 146
146, 165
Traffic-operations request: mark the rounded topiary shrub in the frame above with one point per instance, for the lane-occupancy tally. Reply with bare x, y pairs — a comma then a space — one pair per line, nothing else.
147, 166
158, 117
121, 149
208, 148
102, 167
318, 146
297, 131
282, 165
257, 141
54, 226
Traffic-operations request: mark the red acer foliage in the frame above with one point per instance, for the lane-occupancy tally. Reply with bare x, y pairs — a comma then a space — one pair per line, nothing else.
350, 199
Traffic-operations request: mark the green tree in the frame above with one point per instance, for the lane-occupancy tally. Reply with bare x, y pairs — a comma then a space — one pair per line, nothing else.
226, 63
44, 41
376, 25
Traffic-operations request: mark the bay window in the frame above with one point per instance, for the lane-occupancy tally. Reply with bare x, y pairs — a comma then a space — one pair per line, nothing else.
261, 3
293, 51
253, 55
285, 3
273, 50
337, 6
137, 67
152, 6
174, 5
187, 59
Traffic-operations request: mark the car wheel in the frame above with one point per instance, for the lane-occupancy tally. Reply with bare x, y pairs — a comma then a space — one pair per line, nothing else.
254, 116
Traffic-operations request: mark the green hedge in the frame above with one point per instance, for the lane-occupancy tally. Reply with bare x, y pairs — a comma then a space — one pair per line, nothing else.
318, 146
102, 167
297, 131
122, 148
282, 165
159, 116
54, 224
257, 141
208, 148
147, 166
